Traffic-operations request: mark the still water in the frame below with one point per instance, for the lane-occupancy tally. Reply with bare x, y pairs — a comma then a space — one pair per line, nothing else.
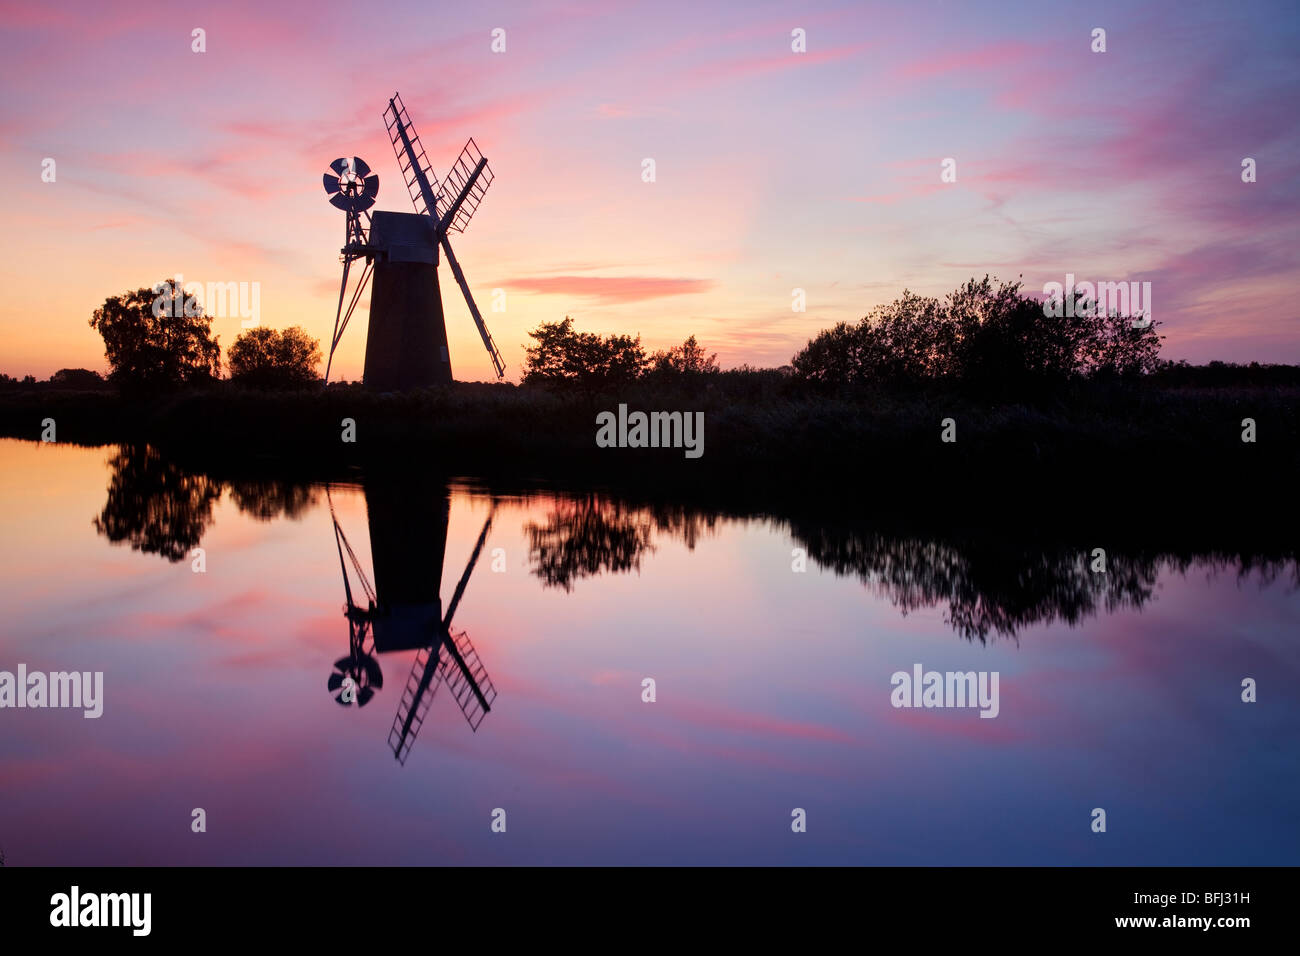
300, 691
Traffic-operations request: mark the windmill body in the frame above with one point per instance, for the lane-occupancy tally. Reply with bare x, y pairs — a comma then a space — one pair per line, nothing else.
406, 342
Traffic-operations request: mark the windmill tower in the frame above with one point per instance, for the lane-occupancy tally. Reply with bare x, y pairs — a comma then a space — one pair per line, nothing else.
403, 612
406, 342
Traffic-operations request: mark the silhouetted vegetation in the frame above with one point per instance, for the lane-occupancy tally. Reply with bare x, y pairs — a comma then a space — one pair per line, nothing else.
155, 342
689, 358
78, 378
762, 427
265, 358
1033, 400
565, 358
982, 338
1226, 375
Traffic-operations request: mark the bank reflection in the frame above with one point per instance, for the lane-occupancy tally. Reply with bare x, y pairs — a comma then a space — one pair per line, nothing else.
993, 581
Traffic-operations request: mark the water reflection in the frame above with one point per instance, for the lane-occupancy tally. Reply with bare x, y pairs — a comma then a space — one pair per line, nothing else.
772, 676
990, 584
403, 609
993, 585
155, 506
160, 507
586, 535
267, 499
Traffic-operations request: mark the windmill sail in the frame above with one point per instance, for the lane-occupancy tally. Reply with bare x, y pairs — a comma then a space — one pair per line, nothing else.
493, 352
457, 664
416, 170
421, 688
451, 659
471, 177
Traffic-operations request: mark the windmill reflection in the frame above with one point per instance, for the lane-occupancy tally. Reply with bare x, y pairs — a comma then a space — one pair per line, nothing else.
403, 611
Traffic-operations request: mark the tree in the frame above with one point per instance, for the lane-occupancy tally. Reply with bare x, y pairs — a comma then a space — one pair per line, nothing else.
1125, 351
583, 360
153, 341
265, 358
689, 358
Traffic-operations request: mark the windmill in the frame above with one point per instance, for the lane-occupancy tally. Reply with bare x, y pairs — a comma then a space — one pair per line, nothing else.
403, 611
406, 342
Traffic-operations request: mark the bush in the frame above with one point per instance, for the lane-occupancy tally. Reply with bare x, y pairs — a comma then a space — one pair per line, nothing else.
265, 358
983, 338
81, 378
584, 361
689, 358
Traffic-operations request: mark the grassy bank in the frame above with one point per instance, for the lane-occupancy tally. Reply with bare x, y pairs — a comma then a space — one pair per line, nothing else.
1110, 439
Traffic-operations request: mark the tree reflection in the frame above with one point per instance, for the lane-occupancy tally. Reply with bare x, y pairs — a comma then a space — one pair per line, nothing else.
584, 536
268, 499
154, 505
990, 585
159, 507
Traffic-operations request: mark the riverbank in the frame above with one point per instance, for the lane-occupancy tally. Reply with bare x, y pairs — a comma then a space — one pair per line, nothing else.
1110, 440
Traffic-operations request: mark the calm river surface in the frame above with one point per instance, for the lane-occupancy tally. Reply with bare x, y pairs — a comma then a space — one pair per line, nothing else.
388, 733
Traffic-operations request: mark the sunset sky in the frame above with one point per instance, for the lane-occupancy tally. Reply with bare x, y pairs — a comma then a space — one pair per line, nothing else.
775, 170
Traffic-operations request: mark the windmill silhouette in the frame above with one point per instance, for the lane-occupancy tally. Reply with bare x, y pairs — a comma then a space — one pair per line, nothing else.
406, 341
403, 611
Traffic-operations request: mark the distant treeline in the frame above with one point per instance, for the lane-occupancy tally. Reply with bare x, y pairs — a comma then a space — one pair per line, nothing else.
978, 393
985, 340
